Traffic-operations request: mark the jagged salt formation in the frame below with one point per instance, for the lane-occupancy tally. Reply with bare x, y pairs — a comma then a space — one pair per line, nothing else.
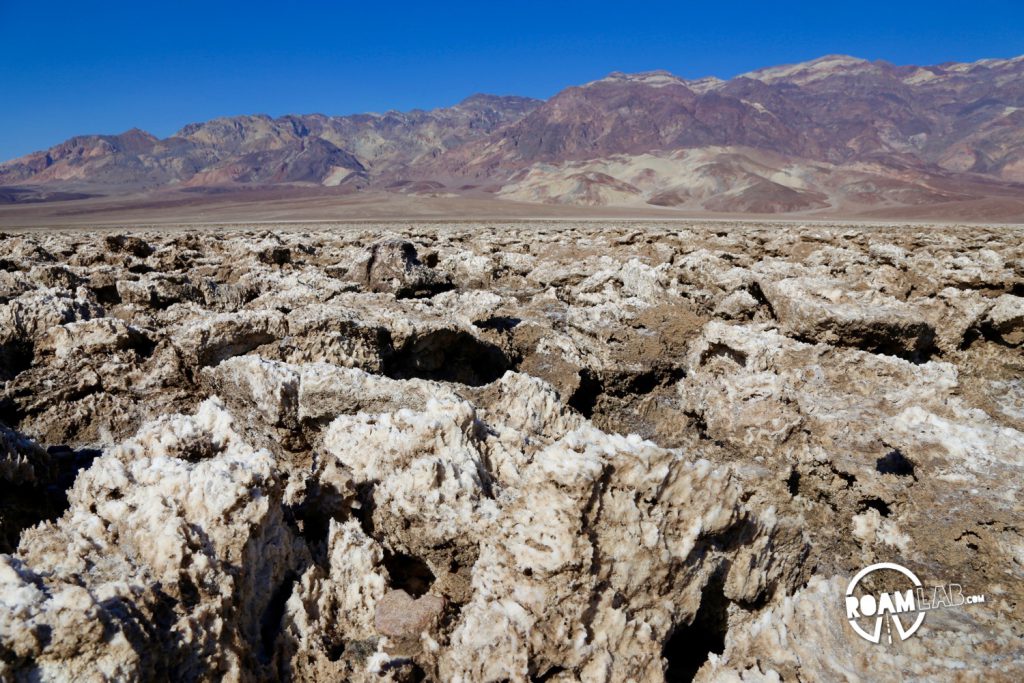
188, 553
506, 453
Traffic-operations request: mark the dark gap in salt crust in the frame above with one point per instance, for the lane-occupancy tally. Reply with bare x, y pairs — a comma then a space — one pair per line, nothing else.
270, 622
448, 356
875, 504
896, 463
585, 397
690, 644
408, 573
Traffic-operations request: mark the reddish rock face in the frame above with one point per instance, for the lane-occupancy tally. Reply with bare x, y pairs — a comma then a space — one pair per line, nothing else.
399, 615
835, 109
259, 150
892, 136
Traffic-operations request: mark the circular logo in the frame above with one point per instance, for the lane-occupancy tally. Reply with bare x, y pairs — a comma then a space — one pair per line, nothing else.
889, 608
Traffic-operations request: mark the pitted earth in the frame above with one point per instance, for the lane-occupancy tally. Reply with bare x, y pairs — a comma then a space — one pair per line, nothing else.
523, 452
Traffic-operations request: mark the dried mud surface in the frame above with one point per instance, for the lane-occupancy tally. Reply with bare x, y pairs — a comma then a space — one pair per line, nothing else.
507, 452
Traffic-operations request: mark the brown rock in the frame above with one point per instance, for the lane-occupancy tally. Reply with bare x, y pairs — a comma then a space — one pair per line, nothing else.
1007, 319
399, 615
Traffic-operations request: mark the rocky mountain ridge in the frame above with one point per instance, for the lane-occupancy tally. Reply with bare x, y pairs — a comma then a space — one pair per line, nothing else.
826, 134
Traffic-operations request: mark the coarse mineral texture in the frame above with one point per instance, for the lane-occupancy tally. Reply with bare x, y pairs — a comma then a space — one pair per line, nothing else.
516, 452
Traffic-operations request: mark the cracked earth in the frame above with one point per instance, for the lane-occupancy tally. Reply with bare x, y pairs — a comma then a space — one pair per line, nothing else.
524, 452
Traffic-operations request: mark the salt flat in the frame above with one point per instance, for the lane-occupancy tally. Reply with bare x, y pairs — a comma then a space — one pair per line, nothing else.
573, 449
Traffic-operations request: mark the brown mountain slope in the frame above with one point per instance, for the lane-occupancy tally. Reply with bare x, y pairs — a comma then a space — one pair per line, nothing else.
259, 150
835, 109
834, 134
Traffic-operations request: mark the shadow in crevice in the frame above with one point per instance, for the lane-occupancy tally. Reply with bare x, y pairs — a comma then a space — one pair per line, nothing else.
408, 573
651, 380
23, 504
270, 621
875, 504
988, 332
688, 647
448, 356
497, 323
584, 399
15, 357
881, 343
896, 463
547, 675
718, 350
793, 482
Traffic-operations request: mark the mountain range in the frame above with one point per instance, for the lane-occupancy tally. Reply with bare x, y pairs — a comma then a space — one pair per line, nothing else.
834, 135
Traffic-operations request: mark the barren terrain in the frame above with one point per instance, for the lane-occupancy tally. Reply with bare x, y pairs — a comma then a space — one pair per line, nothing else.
836, 136
526, 451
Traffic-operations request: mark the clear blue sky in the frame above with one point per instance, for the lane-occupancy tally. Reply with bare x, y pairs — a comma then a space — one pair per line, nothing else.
104, 67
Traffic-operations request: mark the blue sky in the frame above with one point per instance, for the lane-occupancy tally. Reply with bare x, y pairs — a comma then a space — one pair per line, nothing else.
104, 67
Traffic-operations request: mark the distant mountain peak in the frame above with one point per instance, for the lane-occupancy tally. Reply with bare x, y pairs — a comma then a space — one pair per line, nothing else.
655, 79
137, 132
813, 70
836, 130
488, 99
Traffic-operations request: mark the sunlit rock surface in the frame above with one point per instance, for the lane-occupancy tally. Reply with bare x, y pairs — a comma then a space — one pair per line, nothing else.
507, 452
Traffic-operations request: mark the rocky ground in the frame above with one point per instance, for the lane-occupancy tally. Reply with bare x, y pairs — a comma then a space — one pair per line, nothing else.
524, 452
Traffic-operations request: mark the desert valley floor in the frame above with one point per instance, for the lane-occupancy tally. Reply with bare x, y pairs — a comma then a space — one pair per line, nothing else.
525, 451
